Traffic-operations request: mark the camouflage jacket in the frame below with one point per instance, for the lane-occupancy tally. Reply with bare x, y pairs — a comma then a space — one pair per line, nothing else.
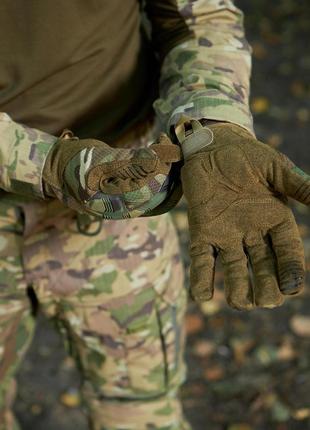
205, 71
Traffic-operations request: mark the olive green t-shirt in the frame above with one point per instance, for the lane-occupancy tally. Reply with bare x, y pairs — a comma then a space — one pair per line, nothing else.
80, 64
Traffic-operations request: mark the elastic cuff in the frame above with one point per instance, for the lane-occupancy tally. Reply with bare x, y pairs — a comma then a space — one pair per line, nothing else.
23, 152
236, 113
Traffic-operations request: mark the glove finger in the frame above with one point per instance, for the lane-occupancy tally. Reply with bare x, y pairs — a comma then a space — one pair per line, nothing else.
202, 271
121, 172
167, 151
238, 288
262, 262
289, 179
288, 247
112, 175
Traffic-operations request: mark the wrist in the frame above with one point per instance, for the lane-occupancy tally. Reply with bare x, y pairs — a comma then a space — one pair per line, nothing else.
195, 136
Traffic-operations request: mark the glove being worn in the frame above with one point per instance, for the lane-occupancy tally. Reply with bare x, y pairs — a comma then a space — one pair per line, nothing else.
236, 188
92, 177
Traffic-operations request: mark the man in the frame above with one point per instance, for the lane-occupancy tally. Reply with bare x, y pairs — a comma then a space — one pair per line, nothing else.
116, 287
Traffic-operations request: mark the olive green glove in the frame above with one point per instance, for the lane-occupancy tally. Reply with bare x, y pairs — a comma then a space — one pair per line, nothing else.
92, 177
236, 190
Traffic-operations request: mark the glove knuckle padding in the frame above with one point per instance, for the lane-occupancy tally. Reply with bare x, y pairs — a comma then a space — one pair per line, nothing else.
231, 167
90, 176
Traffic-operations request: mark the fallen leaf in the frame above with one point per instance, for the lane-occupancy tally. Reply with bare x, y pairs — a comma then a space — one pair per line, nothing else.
194, 323
300, 325
269, 399
280, 411
71, 398
266, 354
204, 348
301, 414
260, 105
259, 50
240, 348
274, 140
214, 373
213, 306
286, 350
210, 308
68, 363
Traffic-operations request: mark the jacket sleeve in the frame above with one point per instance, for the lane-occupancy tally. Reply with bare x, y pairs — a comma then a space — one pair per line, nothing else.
23, 152
206, 61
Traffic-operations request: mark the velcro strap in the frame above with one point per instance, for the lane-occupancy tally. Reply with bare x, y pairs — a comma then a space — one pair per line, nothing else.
195, 139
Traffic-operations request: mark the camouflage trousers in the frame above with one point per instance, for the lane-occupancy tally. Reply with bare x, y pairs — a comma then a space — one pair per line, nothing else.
119, 299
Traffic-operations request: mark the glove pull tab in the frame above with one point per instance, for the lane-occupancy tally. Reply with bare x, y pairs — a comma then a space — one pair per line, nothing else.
193, 139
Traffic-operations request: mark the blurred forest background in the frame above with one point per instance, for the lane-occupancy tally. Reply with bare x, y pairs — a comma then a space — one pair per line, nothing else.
247, 370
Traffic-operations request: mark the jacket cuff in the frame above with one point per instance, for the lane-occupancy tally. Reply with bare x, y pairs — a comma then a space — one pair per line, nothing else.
23, 152
222, 110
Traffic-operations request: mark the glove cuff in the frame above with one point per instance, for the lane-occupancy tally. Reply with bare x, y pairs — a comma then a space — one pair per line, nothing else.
192, 136
195, 135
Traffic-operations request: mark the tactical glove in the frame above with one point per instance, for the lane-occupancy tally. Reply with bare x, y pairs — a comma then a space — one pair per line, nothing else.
236, 188
92, 177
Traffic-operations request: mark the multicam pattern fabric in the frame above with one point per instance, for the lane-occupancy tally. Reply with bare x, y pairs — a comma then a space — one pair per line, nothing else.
112, 183
118, 296
145, 190
23, 151
207, 75
119, 300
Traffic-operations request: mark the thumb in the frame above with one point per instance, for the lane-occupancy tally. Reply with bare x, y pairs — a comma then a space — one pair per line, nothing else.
288, 179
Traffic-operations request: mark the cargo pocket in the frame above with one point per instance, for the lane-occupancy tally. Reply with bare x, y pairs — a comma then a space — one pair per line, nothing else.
154, 350
129, 348
146, 358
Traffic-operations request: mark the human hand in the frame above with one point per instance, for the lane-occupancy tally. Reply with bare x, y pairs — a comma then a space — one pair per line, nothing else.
90, 176
236, 188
